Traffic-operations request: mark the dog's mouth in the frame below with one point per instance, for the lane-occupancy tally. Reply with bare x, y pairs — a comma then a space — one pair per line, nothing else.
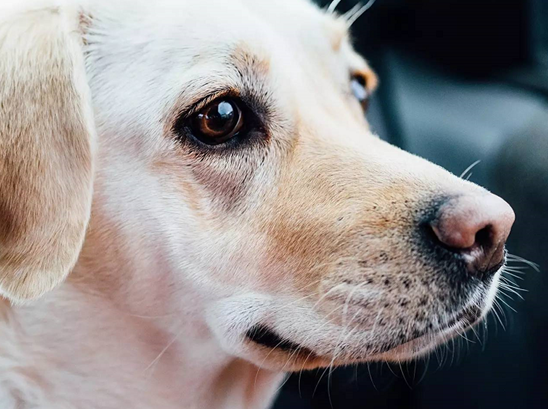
267, 338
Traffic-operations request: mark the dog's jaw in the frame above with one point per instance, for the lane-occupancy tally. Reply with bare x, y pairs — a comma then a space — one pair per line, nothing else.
127, 332
99, 343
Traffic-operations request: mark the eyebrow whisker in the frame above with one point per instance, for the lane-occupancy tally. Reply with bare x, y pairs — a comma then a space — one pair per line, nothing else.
333, 6
353, 15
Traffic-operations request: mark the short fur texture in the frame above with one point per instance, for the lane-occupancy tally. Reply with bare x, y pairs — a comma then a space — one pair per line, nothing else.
309, 228
46, 169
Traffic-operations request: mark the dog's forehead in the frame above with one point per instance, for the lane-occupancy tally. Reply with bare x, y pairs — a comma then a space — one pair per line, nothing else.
221, 25
299, 20
167, 51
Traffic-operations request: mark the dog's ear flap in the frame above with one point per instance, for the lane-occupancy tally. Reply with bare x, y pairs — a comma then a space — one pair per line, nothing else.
47, 143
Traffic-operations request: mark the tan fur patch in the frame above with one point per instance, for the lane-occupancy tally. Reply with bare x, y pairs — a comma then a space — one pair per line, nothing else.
46, 142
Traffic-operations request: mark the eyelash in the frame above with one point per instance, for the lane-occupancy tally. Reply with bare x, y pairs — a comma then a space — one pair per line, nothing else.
205, 101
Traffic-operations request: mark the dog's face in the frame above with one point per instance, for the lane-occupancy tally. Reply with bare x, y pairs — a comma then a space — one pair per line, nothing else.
235, 163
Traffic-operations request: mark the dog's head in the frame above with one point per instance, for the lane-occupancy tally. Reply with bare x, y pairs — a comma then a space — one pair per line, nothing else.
236, 181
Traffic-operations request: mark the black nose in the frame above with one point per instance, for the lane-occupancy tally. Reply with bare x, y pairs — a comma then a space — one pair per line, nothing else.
477, 227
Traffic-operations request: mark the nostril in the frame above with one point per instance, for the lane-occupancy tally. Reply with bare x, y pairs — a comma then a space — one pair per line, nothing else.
474, 226
484, 237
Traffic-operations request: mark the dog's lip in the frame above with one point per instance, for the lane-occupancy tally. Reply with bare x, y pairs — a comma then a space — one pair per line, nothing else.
265, 337
489, 272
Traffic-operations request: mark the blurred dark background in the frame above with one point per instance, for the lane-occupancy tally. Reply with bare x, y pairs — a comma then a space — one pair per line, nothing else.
461, 81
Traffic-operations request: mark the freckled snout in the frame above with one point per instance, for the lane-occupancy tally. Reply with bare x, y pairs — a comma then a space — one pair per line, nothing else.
476, 226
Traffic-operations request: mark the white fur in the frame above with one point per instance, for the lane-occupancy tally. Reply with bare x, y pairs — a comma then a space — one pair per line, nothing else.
156, 310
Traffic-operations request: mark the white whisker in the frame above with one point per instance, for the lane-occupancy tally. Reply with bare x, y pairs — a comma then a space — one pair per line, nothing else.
340, 341
465, 174
517, 269
506, 295
502, 287
514, 258
153, 364
496, 305
326, 295
505, 303
507, 284
311, 352
476, 335
333, 6
507, 272
352, 17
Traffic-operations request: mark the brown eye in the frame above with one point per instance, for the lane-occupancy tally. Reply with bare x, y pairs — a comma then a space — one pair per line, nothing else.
218, 122
359, 89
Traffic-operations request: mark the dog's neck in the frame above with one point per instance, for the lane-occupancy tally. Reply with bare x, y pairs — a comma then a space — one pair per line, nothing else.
114, 336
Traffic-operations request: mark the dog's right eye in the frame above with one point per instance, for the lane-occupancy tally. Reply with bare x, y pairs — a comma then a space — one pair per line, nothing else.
360, 91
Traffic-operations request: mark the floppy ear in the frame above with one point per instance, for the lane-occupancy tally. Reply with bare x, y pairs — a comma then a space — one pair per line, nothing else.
46, 150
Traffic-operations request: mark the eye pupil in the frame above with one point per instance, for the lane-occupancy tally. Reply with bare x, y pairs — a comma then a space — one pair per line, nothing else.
219, 117
218, 122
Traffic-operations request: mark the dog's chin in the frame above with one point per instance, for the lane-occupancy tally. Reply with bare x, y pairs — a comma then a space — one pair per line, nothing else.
423, 345
278, 353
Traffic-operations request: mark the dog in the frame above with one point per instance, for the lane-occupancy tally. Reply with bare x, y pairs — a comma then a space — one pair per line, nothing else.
193, 205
